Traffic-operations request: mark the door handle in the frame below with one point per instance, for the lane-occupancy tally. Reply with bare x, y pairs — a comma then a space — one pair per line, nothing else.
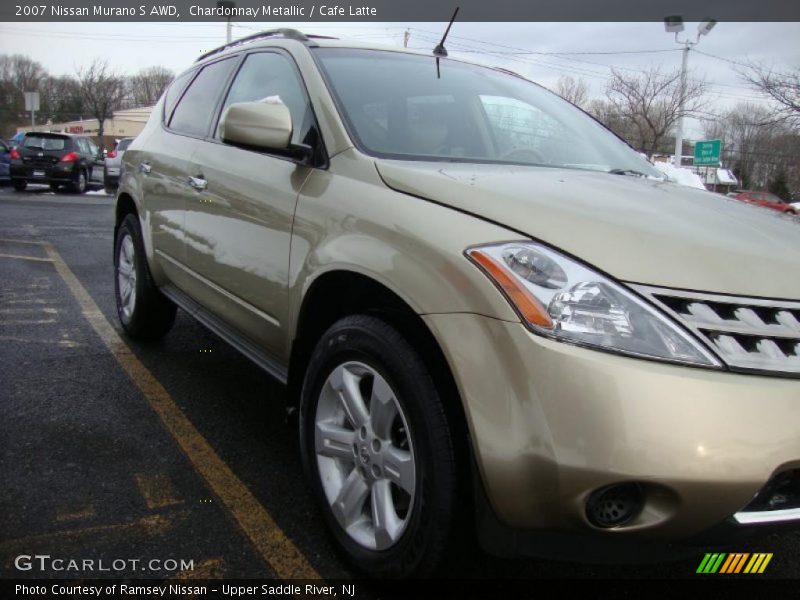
144, 167
197, 183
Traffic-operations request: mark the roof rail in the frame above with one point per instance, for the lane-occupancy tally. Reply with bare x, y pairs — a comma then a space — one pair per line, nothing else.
292, 34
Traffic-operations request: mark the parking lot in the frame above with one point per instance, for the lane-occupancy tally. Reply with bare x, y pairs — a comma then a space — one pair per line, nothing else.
175, 450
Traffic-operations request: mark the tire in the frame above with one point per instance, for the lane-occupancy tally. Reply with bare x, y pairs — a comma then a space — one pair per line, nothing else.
417, 499
144, 312
20, 185
81, 181
54, 187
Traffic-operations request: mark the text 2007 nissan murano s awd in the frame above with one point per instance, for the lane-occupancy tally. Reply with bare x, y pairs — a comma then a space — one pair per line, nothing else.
491, 313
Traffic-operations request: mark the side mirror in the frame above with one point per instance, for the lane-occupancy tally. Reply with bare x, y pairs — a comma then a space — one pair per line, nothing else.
265, 125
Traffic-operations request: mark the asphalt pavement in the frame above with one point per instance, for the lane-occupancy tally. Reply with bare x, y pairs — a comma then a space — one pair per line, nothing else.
170, 451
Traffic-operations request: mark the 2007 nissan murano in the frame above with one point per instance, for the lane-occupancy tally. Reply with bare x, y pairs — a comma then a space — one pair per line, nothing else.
490, 312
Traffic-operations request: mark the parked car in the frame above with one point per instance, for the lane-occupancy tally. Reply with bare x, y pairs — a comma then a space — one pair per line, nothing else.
16, 140
112, 165
5, 163
489, 311
765, 199
56, 159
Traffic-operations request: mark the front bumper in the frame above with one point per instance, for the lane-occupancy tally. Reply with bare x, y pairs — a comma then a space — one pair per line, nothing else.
552, 422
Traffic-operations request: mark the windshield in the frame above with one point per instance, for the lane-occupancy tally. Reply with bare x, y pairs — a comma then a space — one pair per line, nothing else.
44, 142
395, 106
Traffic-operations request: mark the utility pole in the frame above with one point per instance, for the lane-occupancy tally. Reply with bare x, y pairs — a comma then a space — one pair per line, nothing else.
228, 6
674, 24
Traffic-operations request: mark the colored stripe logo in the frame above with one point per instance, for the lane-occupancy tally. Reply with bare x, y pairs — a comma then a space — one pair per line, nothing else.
735, 562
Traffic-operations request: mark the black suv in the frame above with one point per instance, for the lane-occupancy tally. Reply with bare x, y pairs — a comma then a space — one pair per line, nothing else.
54, 158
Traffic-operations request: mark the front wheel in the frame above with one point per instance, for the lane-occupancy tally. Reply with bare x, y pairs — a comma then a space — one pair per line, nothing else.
20, 185
145, 313
377, 446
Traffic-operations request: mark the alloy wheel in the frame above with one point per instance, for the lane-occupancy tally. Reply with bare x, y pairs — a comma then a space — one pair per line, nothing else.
365, 455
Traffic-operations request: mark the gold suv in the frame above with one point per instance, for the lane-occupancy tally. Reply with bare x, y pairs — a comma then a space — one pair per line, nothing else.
491, 313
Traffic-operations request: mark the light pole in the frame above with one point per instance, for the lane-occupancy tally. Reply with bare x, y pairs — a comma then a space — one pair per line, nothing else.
229, 5
674, 24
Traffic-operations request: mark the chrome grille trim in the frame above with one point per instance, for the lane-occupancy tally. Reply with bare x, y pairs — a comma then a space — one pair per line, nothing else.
749, 334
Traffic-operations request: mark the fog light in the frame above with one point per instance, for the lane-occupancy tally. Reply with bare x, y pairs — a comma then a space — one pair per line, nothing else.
614, 505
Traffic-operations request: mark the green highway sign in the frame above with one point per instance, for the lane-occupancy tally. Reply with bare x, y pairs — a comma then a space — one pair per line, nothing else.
707, 152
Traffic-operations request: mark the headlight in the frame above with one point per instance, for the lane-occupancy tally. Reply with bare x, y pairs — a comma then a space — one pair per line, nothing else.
562, 299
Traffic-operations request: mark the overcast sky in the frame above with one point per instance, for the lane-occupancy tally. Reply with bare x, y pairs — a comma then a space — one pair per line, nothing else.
62, 47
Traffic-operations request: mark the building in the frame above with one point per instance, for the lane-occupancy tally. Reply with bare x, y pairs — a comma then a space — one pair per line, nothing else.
124, 123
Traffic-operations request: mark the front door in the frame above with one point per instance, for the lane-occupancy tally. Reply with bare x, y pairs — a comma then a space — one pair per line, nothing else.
239, 221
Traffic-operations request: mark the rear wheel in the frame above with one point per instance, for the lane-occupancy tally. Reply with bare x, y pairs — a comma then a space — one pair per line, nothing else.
145, 313
20, 185
377, 446
79, 183
54, 187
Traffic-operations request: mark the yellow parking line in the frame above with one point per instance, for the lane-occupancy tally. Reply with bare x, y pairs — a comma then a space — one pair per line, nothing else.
75, 513
277, 550
23, 257
31, 242
149, 526
157, 490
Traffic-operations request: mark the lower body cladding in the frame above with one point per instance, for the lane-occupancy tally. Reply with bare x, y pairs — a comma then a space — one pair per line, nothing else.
617, 451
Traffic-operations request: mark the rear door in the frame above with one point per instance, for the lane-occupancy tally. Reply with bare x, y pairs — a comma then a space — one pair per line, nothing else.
164, 166
238, 227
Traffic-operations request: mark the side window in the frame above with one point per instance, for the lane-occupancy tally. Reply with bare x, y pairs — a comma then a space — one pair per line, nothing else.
93, 149
193, 113
83, 147
267, 74
174, 92
3, 147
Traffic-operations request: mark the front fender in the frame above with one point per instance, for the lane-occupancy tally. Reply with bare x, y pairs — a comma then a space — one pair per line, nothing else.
347, 219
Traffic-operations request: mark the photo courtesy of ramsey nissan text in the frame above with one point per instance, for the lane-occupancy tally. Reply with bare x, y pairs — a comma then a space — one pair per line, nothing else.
399, 300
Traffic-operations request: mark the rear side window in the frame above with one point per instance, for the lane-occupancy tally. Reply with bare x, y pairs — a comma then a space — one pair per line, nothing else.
44, 142
193, 114
123, 145
173, 93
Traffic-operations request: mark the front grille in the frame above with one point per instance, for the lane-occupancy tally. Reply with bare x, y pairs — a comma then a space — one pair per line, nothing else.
749, 334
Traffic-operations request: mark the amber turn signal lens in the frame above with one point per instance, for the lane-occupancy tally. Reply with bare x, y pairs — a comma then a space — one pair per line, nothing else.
525, 302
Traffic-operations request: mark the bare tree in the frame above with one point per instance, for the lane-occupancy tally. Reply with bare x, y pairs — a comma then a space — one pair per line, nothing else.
759, 149
783, 88
18, 74
651, 103
102, 91
148, 84
573, 90
62, 99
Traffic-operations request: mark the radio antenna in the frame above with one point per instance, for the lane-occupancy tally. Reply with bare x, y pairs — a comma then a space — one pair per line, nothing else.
440, 51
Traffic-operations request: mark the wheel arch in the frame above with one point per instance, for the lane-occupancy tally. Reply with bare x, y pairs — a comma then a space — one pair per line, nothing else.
336, 294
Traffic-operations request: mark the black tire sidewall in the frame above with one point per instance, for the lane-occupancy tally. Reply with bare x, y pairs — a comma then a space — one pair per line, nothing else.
153, 314
360, 339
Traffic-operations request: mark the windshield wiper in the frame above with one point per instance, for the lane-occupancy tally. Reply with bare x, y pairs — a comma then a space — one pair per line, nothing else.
632, 172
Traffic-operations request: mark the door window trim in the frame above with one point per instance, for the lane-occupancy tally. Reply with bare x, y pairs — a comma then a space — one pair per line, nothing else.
325, 162
237, 59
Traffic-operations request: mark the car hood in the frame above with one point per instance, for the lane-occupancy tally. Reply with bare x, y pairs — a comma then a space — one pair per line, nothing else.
638, 230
